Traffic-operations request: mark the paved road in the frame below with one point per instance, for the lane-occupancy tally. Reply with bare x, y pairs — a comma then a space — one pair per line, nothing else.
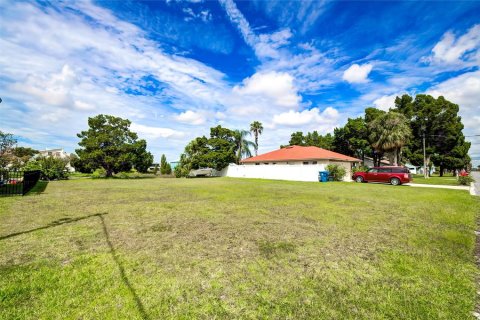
476, 176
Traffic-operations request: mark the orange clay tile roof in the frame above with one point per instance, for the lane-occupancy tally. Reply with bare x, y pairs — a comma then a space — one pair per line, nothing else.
300, 153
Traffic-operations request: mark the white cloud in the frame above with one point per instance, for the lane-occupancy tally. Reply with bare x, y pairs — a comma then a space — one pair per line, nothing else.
385, 102
265, 45
156, 132
463, 90
451, 49
310, 68
203, 15
357, 73
278, 87
312, 116
191, 117
66, 62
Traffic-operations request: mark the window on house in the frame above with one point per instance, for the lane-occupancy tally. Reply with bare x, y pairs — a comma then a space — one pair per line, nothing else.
257, 163
305, 162
274, 163
265, 163
314, 162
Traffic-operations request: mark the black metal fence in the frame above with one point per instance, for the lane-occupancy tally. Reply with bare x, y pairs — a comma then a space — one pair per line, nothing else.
17, 182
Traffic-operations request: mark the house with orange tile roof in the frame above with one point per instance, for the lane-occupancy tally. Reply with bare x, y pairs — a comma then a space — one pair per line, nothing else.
296, 163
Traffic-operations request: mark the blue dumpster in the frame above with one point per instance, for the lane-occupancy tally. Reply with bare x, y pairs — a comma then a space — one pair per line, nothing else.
323, 176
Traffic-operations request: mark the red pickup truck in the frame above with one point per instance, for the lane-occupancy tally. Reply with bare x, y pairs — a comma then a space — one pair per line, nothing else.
392, 175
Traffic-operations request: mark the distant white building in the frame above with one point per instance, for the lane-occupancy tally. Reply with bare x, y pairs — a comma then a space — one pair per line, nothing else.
56, 153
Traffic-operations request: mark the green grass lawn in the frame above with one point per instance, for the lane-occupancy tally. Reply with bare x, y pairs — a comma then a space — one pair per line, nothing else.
445, 180
235, 248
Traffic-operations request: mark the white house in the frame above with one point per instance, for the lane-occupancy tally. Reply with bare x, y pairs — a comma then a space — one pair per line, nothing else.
56, 153
294, 163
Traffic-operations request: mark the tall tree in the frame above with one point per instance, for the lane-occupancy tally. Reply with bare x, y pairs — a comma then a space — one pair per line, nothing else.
352, 139
370, 115
242, 144
437, 120
257, 128
165, 167
297, 139
7, 141
163, 164
389, 133
215, 152
109, 143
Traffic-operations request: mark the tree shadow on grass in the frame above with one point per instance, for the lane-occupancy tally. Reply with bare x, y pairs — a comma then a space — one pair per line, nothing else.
123, 275
52, 224
121, 269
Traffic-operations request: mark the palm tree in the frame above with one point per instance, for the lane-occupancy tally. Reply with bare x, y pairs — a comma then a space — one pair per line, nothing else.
257, 128
243, 145
389, 133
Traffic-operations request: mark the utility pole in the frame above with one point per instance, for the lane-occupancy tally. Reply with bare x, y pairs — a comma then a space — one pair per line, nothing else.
425, 174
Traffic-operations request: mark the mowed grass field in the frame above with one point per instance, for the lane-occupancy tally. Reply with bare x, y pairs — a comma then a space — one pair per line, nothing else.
225, 248
447, 180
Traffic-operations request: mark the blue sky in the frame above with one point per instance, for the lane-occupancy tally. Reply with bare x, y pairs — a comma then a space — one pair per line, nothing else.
176, 68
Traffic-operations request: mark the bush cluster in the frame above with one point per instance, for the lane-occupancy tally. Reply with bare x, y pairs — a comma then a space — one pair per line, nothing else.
51, 168
99, 173
465, 180
337, 172
359, 169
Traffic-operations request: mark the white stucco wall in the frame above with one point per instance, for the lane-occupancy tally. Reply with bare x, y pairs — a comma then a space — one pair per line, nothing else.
348, 169
292, 172
275, 172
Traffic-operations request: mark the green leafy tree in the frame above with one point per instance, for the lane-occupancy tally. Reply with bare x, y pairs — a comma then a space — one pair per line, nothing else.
51, 168
165, 167
352, 139
389, 133
257, 128
7, 141
79, 164
109, 143
297, 139
370, 115
24, 152
317, 140
215, 152
311, 139
223, 143
169, 168
439, 121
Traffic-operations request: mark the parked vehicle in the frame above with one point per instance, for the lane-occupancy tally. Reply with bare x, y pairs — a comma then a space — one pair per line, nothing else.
392, 175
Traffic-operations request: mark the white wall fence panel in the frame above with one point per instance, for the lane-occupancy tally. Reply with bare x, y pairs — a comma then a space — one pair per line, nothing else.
275, 172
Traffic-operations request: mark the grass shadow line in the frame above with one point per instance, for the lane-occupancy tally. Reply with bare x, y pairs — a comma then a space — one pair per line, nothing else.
52, 224
121, 269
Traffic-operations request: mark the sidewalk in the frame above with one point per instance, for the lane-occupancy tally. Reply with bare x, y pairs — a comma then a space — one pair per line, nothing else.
466, 188
475, 190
